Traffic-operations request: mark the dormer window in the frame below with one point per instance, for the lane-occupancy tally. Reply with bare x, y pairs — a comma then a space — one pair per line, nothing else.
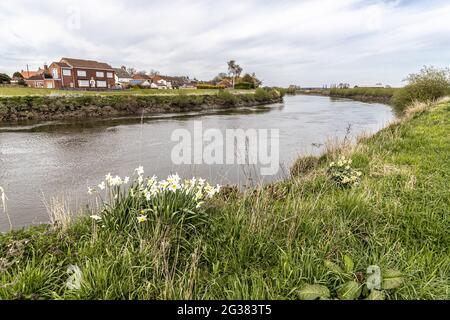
81, 73
100, 74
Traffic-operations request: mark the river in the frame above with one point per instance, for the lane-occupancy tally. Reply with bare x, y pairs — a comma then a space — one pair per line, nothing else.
61, 159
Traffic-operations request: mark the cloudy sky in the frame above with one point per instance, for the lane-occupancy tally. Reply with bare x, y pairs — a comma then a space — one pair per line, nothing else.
309, 43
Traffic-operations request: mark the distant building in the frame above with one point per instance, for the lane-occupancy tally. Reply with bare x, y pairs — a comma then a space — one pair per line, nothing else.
78, 73
122, 76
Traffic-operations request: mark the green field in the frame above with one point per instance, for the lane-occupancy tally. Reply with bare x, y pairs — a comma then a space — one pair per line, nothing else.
309, 236
23, 91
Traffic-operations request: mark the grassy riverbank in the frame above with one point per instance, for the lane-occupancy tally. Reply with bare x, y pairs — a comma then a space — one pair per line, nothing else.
78, 105
25, 91
380, 95
272, 242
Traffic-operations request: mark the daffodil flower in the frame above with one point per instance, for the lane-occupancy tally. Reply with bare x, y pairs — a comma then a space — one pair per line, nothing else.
142, 219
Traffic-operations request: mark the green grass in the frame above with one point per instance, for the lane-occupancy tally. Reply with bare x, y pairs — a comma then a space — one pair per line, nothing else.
23, 91
369, 92
270, 242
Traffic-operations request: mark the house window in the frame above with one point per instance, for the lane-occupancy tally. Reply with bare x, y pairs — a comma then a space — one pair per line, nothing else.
55, 73
101, 84
39, 84
81, 73
100, 74
109, 75
83, 83
66, 72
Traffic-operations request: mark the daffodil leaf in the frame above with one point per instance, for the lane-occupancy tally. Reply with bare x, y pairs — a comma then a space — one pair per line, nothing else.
333, 267
348, 264
376, 295
392, 279
351, 290
314, 292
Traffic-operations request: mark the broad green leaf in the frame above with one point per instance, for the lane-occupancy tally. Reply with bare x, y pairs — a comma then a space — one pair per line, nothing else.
392, 279
333, 267
314, 292
351, 290
348, 264
376, 295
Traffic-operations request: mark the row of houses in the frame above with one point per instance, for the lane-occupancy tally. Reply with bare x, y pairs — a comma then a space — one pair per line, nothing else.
69, 73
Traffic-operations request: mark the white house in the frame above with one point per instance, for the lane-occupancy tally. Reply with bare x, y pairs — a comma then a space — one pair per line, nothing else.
122, 76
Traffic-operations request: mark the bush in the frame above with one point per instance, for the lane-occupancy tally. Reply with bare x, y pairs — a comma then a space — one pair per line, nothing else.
210, 86
428, 85
244, 86
4, 78
226, 97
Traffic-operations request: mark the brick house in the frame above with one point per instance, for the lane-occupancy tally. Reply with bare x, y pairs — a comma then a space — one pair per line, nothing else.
82, 74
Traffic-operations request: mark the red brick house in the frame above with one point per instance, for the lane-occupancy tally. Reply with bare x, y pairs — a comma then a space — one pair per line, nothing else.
83, 74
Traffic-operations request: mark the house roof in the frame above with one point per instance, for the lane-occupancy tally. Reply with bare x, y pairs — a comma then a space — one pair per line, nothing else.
122, 73
88, 64
141, 77
61, 64
29, 74
35, 77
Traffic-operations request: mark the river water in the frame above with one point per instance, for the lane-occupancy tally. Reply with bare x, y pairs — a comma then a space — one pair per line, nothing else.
39, 162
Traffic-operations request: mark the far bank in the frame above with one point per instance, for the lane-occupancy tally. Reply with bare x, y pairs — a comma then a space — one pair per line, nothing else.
49, 107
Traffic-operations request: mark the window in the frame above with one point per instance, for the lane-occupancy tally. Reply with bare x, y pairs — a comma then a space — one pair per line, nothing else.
83, 83
66, 72
101, 84
109, 74
100, 74
81, 73
55, 73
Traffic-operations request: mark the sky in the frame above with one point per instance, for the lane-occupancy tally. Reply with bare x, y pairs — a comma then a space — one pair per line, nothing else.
306, 43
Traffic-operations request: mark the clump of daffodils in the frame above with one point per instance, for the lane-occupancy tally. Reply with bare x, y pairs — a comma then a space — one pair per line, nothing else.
142, 199
342, 172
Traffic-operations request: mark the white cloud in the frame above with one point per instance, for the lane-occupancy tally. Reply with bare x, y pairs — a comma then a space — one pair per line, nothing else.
302, 42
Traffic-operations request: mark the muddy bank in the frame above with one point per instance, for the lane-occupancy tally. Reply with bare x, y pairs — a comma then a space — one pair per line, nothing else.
45, 108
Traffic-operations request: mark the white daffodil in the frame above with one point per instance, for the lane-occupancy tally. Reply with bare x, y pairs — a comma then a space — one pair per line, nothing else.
139, 170
126, 180
102, 185
142, 219
90, 190
199, 204
96, 217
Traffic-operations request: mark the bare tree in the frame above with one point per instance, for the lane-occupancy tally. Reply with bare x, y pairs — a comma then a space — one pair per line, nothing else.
234, 70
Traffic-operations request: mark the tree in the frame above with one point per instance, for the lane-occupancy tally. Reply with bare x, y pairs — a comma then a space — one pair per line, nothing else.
131, 71
17, 74
428, 85
4, 78
234, 70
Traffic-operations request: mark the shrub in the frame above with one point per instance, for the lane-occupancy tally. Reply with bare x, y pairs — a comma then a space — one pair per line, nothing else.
4, 78
426, 86
244, 86
209, 86
343, 174
226, 97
